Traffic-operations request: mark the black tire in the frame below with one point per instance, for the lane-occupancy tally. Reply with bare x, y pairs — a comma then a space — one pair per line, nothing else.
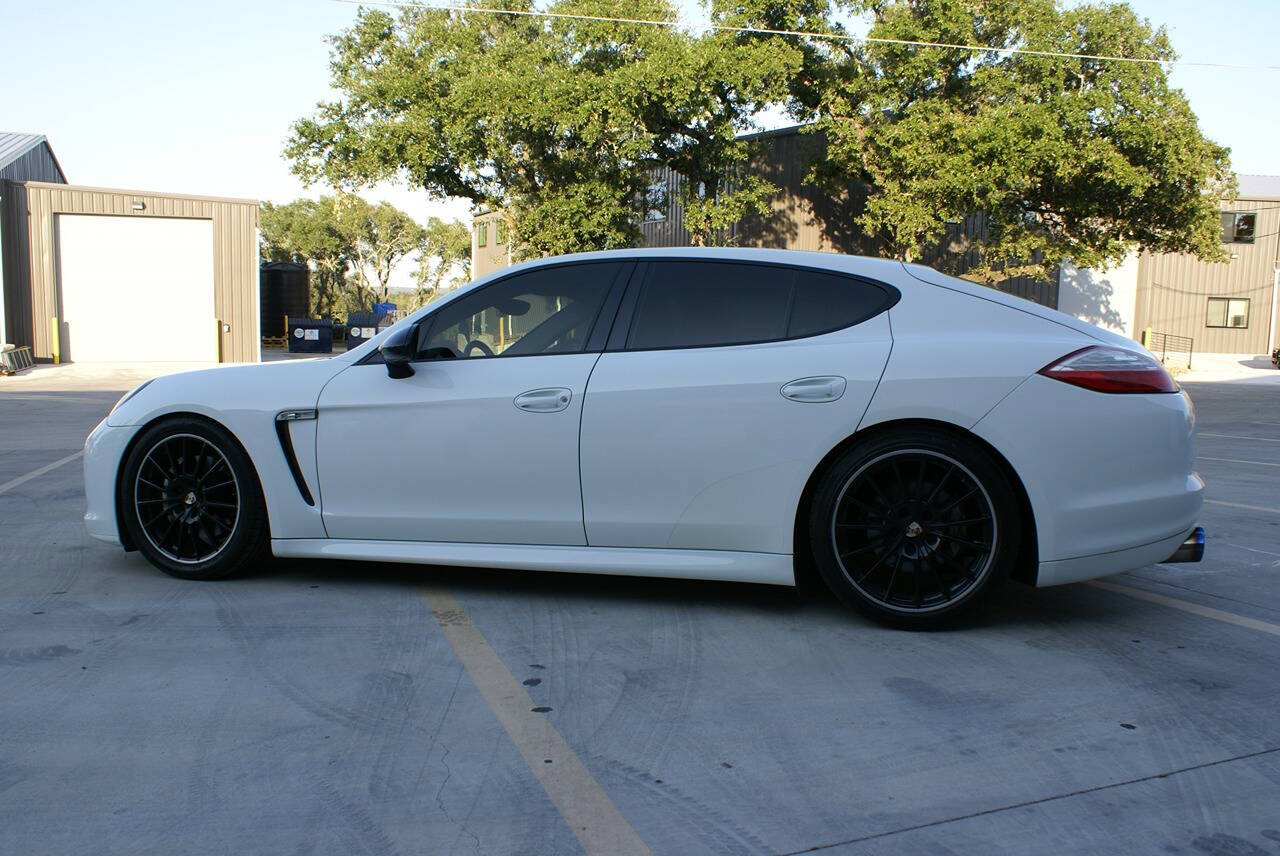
191, 502
915, 527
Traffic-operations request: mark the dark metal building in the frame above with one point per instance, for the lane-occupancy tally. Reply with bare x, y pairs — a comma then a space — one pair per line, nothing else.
805, 216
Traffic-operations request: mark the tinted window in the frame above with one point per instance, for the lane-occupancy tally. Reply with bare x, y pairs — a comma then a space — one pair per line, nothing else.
545, 311
701, 304
825, 302
687, 304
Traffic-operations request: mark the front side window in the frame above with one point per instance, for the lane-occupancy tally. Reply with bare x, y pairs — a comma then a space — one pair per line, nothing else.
1238, 227
690, 304
544, 311
1228, 312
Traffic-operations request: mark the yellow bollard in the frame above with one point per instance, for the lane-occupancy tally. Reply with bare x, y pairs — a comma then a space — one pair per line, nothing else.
55, 346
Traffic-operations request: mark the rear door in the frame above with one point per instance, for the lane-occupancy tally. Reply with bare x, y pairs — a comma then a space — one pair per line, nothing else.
723, 386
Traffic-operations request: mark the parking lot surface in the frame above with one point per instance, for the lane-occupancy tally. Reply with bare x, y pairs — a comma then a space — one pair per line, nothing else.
354, 708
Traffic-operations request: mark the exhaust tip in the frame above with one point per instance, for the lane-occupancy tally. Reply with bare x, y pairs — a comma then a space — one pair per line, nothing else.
1192, 549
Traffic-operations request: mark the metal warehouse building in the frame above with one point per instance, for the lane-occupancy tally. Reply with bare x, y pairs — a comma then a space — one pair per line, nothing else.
105, 275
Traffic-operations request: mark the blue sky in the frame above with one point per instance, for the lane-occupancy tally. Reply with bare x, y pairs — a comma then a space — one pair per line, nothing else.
198, 97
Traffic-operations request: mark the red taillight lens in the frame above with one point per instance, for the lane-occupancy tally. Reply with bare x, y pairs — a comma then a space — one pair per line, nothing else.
1106, 369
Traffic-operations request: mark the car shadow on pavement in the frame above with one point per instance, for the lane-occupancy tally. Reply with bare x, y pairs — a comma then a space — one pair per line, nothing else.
1014, 605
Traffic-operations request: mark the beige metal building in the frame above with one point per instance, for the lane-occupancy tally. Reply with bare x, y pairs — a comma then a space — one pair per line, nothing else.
490, 243
1225, 307
105, 275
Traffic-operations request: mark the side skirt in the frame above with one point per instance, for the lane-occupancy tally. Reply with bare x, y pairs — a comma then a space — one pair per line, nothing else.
769, 568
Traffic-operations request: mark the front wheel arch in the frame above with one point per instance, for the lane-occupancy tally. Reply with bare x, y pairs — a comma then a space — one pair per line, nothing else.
126, 540
806, 575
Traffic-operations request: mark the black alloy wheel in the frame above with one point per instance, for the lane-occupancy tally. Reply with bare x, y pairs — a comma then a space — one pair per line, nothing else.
187, 498
191, 500
913, 527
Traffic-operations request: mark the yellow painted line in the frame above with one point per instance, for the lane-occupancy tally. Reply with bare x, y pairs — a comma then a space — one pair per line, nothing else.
1236, 461
1238, 437
1264, 508
21, 480
1188, 606
595, 820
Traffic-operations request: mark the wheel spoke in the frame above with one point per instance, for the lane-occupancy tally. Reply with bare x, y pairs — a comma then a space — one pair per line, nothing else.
870, 546
956, 502
937, 487
883, 556
950, 523
977, 544
888, 591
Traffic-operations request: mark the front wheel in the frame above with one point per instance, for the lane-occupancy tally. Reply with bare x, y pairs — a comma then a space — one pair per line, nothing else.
191, 502
914, 526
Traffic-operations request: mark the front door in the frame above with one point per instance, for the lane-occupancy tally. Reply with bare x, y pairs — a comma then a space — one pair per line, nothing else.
480, 446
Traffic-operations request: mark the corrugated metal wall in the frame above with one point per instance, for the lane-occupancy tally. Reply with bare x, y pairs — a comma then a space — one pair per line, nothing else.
1174, 289
36, 165
806, 216
235, 256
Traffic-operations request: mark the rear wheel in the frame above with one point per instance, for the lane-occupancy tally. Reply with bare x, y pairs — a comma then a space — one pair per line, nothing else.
191, 501
914, 526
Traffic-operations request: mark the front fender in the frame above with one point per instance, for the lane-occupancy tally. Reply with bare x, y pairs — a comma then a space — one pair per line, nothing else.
245, 400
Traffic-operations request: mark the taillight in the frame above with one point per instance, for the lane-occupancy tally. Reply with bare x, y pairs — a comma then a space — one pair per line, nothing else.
1106, 369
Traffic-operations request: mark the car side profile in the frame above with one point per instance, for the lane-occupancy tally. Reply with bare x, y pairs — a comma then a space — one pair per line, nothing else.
720, 414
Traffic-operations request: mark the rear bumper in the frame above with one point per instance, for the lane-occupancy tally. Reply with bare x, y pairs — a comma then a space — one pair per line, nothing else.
1111, 478
102, 452
1103, 564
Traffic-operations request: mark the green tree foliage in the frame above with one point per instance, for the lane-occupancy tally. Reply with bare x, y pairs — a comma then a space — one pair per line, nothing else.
306, 231
351, 245
558, 122
444, 258
381, 237
1083, 159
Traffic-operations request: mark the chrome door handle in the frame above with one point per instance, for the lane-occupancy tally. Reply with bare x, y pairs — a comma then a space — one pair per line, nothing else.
814, 390
544, 400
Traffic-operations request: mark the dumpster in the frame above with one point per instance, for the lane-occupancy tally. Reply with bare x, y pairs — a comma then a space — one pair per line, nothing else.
361, 327
310, 336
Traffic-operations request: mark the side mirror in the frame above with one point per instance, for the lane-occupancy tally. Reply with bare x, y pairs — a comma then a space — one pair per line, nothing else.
398, 350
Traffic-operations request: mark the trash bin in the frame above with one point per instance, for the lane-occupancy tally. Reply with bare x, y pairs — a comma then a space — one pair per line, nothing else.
310, 336
361, 327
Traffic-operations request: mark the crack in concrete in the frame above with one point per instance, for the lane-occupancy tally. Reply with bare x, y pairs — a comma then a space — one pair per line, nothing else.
1042, 800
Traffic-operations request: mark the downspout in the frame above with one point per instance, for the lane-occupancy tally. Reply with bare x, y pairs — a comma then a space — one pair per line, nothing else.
1275, 294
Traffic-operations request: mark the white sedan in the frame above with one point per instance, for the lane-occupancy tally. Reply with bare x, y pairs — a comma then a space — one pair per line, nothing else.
720, 414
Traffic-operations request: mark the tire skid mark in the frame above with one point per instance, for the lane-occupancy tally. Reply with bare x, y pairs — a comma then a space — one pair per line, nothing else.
713, 831
230, 620
360, 833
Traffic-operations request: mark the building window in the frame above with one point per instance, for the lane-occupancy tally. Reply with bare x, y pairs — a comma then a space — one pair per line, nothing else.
1238, 227
500, 232
482, 234
655, 202
1228, 312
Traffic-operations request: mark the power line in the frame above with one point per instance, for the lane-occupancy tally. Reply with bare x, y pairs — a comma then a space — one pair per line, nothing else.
840, 37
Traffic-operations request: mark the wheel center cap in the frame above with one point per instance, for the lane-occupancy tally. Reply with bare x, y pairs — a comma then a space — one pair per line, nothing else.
914, 529
190, 498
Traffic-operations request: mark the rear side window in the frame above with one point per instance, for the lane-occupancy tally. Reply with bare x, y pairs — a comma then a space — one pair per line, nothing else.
692, 304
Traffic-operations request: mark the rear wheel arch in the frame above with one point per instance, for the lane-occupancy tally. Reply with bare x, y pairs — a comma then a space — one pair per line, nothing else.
805, 572
126, 540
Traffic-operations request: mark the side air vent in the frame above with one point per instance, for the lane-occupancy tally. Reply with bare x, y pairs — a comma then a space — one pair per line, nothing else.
286, 445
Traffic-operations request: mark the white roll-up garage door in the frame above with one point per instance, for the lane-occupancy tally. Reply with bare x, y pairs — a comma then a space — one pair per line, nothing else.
136, 289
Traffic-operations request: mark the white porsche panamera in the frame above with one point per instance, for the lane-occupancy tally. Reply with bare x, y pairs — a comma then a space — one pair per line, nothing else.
719, 414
